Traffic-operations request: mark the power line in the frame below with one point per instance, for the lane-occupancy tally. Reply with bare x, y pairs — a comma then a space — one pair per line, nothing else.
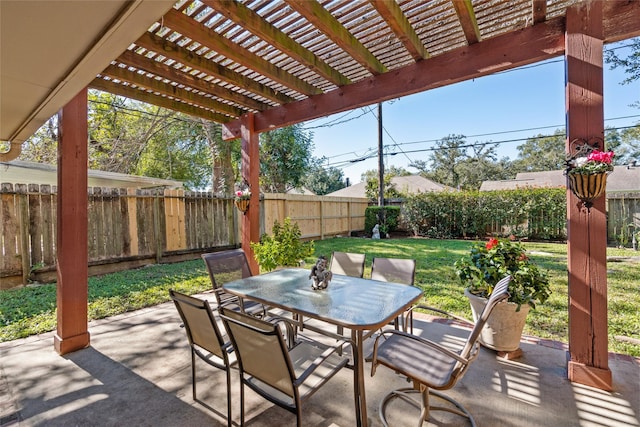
476, 144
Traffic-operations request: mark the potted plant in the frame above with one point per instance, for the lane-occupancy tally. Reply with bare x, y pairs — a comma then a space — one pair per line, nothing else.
486, 264
587, 171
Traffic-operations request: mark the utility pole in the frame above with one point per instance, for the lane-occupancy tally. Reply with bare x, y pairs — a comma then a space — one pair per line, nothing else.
381, 218
380, 159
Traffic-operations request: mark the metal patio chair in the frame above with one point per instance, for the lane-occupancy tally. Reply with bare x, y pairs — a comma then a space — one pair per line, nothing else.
284, 376
347, 264
205, 339
398, 270
224, 267
430, 365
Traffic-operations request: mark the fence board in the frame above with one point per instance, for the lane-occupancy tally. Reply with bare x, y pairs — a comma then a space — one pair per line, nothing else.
48, 211
35, 224
11, 261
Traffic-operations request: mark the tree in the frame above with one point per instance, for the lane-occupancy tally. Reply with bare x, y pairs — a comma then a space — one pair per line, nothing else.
542, 153
483, 167
450, 152
285, 158
42, 147
631, 63
370, 178
627, 143
131, 137
180, 151
323, 180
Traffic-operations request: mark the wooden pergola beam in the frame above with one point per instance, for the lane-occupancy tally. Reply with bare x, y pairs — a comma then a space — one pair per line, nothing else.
182, 24
163, 70
160, 101
183, 55
155, 85
315, 13
254, 23
539, 11
468, 21
400, 25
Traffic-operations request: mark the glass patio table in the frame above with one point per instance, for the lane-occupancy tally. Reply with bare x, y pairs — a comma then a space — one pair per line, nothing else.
350, 302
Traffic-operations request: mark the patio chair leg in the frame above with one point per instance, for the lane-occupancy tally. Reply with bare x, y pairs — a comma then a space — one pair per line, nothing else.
193, 374
424, 405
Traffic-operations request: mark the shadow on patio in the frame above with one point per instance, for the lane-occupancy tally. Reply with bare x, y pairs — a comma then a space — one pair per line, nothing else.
137, 372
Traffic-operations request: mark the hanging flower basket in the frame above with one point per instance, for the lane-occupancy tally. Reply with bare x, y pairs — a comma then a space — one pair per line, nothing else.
588, 187
242, 205
587, 172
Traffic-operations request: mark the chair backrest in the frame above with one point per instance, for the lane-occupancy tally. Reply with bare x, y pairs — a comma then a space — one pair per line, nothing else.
394, 270
199, 323
261, 350
500, 293
226, 266
347, 264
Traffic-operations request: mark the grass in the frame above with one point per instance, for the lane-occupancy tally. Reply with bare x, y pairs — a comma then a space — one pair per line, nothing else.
32, 310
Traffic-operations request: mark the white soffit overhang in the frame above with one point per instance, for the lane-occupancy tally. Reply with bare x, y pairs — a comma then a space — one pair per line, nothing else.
50, 50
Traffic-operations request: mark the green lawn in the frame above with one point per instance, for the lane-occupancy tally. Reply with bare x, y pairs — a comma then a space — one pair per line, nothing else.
31, 310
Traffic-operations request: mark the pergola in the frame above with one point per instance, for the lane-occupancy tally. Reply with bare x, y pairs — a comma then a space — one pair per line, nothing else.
258, 65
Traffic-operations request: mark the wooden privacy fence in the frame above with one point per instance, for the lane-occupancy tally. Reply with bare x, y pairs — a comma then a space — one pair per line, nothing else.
623, 216
317, 216
129, 228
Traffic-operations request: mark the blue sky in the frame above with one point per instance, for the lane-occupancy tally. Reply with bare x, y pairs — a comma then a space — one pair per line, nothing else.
505, 106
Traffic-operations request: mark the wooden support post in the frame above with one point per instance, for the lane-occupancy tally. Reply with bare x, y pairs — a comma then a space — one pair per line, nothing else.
251, 175
587, 229
71, 238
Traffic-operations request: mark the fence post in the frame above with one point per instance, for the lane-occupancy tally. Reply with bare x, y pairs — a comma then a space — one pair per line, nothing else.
156, 227
321, 219
132, 212
349, 219
23, 220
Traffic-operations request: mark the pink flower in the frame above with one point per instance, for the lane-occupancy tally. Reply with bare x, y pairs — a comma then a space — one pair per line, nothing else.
239, 193
491, 243
600, 156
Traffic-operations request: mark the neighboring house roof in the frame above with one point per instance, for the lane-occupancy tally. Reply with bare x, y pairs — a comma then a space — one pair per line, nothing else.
303, 190
19, 172
411, 184
623, 178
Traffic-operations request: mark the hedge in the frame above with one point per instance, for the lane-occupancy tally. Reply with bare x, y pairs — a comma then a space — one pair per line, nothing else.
391, 216
538, 214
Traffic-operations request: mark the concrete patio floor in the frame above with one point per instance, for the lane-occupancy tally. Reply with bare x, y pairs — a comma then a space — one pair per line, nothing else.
137, 373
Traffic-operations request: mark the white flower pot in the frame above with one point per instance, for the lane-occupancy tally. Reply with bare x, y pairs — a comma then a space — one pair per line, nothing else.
503, 329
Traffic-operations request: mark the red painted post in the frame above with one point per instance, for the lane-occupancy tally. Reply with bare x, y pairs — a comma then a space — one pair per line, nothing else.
251, 175
71, 238
587, 230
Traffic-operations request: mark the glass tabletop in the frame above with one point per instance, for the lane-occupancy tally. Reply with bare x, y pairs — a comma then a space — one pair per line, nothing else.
352, 302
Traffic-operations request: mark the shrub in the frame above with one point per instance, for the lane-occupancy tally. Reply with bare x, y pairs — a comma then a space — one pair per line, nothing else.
391, 216
283, 249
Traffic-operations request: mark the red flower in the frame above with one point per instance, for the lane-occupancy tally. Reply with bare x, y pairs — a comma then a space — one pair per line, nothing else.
491, 243
600, 156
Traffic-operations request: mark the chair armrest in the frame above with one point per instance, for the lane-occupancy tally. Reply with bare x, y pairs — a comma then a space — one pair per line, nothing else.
324, 356
442, 312
424, 341
288, 325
